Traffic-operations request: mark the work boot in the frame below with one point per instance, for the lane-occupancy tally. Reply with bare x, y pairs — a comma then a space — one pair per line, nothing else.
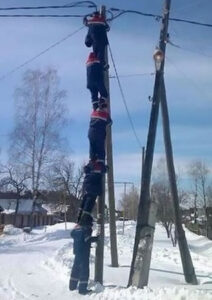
85, 292
103, 102
73, 284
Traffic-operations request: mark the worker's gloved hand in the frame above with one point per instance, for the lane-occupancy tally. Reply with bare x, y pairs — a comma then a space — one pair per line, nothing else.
95, 239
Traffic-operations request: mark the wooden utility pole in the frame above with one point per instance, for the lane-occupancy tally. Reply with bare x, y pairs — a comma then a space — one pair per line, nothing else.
188, 268
110, 176
145, 228
125, 193
101, 200
139, 272
99, 259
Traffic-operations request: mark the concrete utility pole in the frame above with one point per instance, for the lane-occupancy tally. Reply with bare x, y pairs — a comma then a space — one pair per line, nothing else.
139, 273
188, 268
101, 200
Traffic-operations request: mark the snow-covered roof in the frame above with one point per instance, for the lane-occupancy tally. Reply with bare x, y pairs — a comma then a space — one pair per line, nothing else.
25, 206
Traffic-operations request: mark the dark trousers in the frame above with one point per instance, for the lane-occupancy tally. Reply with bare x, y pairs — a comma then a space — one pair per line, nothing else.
87, 205
96, 88
97, 144
80, 270
99, 50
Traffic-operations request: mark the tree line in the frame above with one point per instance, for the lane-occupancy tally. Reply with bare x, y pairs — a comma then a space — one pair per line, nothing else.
195, 199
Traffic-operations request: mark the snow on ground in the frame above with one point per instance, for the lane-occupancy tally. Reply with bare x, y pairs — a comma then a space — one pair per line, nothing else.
37, 266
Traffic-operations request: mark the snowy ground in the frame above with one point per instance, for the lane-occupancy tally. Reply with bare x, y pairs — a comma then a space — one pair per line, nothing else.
37, 266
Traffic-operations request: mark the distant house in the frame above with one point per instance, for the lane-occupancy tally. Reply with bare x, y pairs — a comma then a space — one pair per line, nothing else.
26, 206
23, 212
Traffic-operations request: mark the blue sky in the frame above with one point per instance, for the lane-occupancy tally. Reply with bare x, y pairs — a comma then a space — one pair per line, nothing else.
188, 76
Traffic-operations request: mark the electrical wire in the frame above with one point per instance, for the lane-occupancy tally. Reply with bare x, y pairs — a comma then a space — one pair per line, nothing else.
70, 5
133, 75
122, 11
41, 53
157, 17
124, 100
92, 4
189, 50
41, 16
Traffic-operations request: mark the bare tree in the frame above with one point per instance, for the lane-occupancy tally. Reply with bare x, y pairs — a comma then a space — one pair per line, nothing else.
209, 195
160, 192
199, 173
62, 177
15, 178
193, 172
40, 116
129, 203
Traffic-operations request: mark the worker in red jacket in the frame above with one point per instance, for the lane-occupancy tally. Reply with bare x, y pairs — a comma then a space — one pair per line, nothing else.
95, 79
100, 119
97, 35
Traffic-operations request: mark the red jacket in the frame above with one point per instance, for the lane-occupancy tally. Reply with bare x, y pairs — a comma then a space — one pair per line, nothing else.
100, 118
92, 59
98, 20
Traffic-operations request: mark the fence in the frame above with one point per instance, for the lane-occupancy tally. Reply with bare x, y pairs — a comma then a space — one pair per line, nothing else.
21, 221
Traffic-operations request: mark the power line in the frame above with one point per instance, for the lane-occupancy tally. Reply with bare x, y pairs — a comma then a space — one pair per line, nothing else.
190, 22
90, 4
41, 53
157, 17
133, 75
189, 50
124, 100
42, 16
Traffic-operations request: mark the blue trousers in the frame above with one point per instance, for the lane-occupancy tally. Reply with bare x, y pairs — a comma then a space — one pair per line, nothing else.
80, 270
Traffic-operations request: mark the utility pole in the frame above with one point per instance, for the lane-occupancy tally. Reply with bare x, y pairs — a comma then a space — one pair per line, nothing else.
125, 192
110, 176
99, 261
188, 268
139, 273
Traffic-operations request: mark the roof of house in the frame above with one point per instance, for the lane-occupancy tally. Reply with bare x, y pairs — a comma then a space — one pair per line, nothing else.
25, 206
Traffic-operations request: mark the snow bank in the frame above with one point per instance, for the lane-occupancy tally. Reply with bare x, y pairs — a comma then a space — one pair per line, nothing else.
148, 294
11, 230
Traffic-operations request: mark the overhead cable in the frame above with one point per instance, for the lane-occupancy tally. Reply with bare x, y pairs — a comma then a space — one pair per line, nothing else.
133, 75
157, 17
124, 100
70, 5
189, 50
42, 52
42, 16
